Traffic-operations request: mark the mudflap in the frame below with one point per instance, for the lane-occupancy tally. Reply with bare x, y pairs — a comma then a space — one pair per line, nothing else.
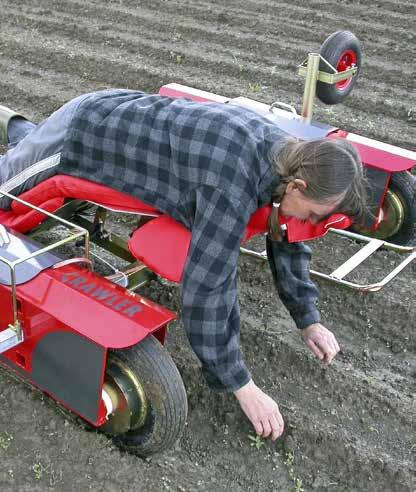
70, 317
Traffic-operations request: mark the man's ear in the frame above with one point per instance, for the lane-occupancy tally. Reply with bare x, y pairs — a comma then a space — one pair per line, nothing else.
296, 184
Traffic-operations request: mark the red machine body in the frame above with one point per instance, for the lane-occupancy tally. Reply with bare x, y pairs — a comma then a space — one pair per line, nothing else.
70, 317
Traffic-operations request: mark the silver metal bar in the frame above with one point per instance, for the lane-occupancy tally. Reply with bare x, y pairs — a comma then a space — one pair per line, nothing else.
83, 231
359, 237
4, 236
8, 339
357, 259
373, 244
17, 325
12, 265
250, 252
330, 78
368, 287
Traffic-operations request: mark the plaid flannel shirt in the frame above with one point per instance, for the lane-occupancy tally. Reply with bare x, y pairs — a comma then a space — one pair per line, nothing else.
209, 167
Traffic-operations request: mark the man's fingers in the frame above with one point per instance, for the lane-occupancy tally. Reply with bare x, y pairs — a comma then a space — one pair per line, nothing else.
280, 420
258, 427
332, 351
277, 426
315, 349
267, 428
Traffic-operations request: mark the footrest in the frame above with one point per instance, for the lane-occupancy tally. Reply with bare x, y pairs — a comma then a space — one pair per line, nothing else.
9, 339
339, 274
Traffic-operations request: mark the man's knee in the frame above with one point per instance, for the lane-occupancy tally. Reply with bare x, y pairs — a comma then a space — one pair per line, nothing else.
18, 128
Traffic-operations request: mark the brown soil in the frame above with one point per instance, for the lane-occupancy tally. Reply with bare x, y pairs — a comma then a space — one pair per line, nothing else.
349, 428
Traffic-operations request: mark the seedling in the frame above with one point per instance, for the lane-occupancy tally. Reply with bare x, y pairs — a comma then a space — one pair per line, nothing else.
257, 441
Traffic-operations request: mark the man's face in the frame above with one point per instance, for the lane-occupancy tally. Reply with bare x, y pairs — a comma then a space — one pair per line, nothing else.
296, 204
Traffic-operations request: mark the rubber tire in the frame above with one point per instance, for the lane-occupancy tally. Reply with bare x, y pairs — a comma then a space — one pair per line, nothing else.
166, 395
403, 184
332, 49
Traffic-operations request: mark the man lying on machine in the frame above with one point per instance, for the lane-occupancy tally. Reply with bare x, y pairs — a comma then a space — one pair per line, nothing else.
209, 166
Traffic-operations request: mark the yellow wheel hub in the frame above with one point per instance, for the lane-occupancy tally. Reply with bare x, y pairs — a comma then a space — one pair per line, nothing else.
125, 397
391, 218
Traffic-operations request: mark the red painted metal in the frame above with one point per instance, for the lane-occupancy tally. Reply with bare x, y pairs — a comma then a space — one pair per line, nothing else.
90, 305
178, 90
346, 61
76, 300
374, 153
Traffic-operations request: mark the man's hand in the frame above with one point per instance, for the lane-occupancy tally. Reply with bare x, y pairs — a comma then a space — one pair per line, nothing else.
262, 411
321, 341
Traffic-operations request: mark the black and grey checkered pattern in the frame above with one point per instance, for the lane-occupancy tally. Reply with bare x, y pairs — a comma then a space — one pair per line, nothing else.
207, 166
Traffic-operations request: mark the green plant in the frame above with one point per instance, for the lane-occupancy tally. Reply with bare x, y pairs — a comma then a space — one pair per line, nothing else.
257, 441
5, 441
38, 470
241, 67
297, 482
256, 87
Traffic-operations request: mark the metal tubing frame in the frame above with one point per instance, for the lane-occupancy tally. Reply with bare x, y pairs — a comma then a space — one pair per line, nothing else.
310, 69
12, 264
136, 272
373, 287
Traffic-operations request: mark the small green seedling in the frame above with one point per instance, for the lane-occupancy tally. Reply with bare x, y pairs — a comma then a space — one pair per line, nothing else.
38, 470
257, 441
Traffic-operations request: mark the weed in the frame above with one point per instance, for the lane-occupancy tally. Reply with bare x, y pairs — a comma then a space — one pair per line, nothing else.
298, 485
178, 59
5, 441
241, 67
257, 441
38, 470
297, 482
177, 36
256, 87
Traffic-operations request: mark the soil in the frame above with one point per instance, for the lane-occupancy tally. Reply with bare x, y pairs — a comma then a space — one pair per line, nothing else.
350, 427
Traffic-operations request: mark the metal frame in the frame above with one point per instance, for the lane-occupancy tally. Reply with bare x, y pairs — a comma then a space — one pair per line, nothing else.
339, 274
82, 232
136, 274
309, 68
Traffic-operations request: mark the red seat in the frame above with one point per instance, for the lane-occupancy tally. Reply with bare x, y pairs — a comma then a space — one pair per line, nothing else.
162, 243
51, 193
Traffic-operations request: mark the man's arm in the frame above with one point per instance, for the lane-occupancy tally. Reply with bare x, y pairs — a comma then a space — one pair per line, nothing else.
289, 263
210, 311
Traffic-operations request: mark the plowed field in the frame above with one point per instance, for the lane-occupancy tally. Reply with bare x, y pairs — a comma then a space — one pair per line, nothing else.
349, 428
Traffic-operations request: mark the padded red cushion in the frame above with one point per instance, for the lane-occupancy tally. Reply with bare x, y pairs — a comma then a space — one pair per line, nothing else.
63, 186
299, 230
162, 244
26, 221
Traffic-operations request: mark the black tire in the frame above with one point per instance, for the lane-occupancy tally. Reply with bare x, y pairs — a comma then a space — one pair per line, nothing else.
341, 49
399, 210
165, 396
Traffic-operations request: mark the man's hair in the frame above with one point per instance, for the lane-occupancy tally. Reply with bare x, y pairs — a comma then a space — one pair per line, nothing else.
331, 168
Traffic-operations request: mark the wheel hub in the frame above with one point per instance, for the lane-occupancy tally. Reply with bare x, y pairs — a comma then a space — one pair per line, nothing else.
347, 60
124, 399
391, 218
